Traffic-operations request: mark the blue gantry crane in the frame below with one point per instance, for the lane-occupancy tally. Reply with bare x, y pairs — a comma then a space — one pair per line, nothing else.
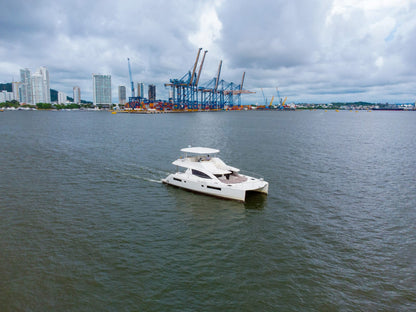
131, 79
134, 101
185, 92
214, 94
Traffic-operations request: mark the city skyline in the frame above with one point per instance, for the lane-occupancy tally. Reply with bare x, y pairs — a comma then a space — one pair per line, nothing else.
32, 88
333, 50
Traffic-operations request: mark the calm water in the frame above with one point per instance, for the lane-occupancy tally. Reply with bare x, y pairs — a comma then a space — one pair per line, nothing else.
85, 224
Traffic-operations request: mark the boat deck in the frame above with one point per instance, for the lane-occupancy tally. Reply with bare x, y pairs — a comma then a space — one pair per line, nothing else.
233, 179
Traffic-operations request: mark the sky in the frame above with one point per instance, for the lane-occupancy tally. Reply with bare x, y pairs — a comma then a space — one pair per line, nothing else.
312, 51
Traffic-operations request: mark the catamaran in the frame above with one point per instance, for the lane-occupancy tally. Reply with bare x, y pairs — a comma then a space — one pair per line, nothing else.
202, 171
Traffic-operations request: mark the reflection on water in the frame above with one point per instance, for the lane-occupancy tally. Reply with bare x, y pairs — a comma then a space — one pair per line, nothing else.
255, 200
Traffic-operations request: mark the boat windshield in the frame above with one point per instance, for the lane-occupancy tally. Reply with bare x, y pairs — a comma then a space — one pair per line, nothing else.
200, 174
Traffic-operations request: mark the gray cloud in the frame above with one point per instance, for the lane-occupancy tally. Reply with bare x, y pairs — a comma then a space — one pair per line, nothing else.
272, 35
314, 51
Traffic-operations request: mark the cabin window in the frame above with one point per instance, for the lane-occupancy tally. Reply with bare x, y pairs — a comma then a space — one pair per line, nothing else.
214, 188
200, 174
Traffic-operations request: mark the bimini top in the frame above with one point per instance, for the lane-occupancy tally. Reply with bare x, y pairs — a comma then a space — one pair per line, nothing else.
200, 150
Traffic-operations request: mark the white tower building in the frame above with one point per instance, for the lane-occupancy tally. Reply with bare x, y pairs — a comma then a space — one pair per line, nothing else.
45, 84
15, 90
61, 97
41, 92
25, 88
77, 95
121, 95
37, 88
101, 90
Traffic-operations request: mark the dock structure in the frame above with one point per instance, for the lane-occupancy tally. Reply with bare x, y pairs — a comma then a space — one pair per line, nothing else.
215, 94
186, 94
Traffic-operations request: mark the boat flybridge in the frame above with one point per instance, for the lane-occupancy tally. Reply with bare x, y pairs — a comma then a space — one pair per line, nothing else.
208, 174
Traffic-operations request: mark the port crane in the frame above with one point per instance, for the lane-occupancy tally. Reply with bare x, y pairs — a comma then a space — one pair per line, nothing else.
214, 94
184, 90
264, 98
281, 101
270, 105
266, 105
131, 79
134, 102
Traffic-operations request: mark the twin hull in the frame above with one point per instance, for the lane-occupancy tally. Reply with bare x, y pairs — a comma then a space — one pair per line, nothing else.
216, 188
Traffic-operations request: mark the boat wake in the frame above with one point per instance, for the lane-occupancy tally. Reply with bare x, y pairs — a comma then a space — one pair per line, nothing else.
146, 179
143, 173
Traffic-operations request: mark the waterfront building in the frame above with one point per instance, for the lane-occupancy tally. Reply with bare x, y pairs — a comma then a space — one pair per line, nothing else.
61, 97
41, 92
121, 95
37, 88
15, 90
6, 96
25, 88
101, 90
77, 94
45, 84
152, 93
140, 89
32, 89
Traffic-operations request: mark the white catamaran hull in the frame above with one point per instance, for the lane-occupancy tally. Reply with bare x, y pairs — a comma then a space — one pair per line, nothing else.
217, 188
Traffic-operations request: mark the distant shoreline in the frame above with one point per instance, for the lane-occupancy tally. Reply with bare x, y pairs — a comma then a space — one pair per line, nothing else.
12, 109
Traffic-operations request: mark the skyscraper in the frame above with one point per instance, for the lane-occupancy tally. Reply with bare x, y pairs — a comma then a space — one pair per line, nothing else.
152, 93
15, 90
34, 89
77, 95
37, 88
41, 93
25, 88
101, 90
45, 84
140, 89
121, 95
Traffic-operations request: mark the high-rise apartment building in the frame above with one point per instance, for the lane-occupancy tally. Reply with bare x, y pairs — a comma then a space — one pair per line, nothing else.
101, 90
15, 90
41, 93
121, 95
33, 89
45, 84
77, 94
25, 88
61, 98
6, 96
38, 95
140, 89
152, 93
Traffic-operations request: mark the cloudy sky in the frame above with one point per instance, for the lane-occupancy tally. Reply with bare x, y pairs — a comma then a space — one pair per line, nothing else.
314, 51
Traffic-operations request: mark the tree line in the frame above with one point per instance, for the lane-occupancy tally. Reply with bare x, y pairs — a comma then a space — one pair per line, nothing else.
16, 104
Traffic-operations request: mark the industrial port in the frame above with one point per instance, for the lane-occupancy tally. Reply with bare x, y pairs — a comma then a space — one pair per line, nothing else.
186, 94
